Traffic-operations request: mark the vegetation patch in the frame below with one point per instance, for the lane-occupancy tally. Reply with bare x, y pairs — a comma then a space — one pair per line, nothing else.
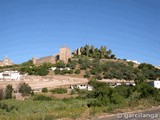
42, 97
59, 90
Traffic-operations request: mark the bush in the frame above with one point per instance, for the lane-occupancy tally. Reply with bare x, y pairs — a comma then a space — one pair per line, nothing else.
59, 90
70, 71
1, 94
8, 92
94, 102
77, 71
42, 70
25, 89
8, 108
43, 97
74, 91
44, 90
87, 74
116, 98
57, 71
60, 64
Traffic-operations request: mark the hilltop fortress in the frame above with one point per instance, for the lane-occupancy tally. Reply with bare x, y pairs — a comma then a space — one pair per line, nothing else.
64, 55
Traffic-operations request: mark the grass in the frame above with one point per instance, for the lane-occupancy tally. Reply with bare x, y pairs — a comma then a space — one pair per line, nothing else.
32, 110
59, 90
44, 108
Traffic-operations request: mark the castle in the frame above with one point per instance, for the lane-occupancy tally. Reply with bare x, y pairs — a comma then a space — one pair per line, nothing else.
64, 55
6, 62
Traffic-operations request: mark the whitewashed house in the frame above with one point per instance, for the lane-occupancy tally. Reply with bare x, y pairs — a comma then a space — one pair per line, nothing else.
10, 75
54, 68
82, 87
155, 84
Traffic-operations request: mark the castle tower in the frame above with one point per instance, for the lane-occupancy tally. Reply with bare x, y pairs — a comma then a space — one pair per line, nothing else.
64, 54
34, 60
79, 51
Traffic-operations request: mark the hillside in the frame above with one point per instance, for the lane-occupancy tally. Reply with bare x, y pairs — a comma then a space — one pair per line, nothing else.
92, 63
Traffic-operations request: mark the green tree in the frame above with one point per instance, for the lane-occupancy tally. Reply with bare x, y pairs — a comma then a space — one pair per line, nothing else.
25, 89
113, 56
84, 63
8, 92
149, 71
1, 94
140, 78
108, 75
109, 54
60, 64
28, 63
96, 53
91, 51
42, 71
130, 63
72, 64
86, 48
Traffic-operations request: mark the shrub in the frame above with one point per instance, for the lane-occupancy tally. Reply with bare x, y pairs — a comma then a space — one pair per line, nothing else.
7, 108
42, 70
87, 74
60, 64
44, 90
57, 71
94, 102
77, 71
99, 76
59, 90
74, 91
43, 97
8, 92
70, 71
1, 94
25, 89
116, 98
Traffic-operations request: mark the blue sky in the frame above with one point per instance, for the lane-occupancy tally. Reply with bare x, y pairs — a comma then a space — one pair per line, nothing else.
131, 28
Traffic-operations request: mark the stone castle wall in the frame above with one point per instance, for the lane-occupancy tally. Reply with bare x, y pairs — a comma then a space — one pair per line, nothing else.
40, 61
64, 55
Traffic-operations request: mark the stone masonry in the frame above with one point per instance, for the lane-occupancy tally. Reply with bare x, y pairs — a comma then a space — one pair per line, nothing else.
64, 55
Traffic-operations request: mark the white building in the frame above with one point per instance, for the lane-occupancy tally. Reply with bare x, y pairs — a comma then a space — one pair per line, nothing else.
155, 84
82, 87
134, 61
54, 68
10, 75
158, 67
